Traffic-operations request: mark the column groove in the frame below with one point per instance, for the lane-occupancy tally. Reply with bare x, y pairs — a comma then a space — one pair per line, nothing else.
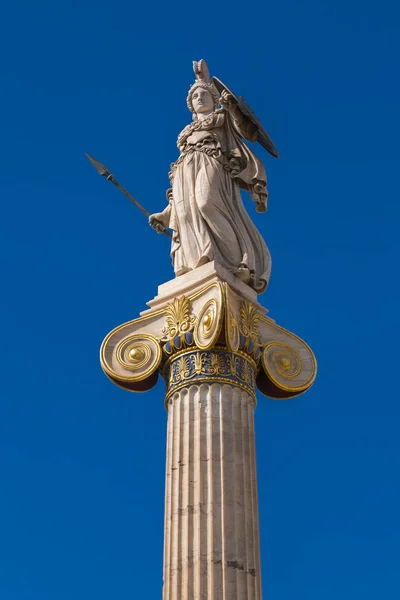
211, 549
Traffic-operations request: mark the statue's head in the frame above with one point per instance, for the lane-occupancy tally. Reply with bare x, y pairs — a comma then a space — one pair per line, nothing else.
203, 97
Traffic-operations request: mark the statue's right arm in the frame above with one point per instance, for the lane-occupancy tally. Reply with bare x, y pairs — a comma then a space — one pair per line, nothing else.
160, 221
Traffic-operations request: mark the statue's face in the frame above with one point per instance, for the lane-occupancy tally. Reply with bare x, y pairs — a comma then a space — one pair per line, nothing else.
202, 101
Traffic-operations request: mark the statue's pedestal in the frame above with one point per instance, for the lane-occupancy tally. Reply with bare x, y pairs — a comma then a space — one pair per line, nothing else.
192, 282
208, 337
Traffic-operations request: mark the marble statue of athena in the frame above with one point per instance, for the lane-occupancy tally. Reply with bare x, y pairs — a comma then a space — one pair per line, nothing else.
205, 209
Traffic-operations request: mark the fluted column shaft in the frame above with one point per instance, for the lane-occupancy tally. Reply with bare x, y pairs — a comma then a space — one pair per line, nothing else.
211, 548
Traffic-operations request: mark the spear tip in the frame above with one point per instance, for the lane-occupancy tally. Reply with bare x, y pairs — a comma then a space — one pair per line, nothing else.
100, 168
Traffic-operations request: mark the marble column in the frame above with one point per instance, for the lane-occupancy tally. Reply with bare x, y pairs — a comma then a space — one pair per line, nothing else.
211, 548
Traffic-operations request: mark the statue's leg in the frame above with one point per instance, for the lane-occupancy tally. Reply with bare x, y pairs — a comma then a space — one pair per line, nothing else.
213, 197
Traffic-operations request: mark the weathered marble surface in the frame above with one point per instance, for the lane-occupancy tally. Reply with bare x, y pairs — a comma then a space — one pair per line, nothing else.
211, 548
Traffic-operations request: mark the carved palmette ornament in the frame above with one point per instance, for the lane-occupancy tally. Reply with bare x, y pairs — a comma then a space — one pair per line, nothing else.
178, 318
249, 321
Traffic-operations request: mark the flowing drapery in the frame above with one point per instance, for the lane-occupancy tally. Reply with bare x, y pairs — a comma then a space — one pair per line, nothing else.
208, 217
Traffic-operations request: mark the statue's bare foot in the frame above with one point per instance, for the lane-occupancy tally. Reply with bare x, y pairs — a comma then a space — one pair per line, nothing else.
182, 271
203, 261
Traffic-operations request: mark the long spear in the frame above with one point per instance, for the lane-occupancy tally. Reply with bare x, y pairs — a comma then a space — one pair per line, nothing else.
104, 172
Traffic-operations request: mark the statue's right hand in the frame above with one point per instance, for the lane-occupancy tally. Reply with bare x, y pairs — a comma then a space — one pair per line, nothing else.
156, 222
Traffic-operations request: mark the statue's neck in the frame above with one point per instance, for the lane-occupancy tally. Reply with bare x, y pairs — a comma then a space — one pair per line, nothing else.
202, 116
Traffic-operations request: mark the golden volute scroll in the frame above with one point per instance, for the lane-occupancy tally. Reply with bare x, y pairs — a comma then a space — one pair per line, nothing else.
135, 358
208, 324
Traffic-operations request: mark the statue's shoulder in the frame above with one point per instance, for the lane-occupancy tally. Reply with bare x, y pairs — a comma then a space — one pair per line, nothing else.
184, 134
187, 129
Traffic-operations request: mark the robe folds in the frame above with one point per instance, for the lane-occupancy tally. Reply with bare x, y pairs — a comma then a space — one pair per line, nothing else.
208, 217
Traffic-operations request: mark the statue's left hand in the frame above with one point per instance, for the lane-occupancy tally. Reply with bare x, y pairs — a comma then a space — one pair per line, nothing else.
261, 207
226, 99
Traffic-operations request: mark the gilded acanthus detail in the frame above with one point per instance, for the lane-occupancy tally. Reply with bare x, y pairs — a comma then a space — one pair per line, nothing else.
182, 368
217, 363
178, 318
198, 363
249, 320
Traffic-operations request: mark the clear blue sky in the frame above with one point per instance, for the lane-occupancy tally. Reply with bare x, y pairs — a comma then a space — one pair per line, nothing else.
81, 461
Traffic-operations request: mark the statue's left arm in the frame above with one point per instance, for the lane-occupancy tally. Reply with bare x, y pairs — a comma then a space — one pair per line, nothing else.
244, 126
253, 177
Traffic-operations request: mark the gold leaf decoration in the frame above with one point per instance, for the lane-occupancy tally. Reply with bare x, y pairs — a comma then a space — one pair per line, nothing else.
231, 329
246, 374
217, 364
286, 369
232, 358
183, 368
208, 324
249, 318
138, 356
177, 316
198, 363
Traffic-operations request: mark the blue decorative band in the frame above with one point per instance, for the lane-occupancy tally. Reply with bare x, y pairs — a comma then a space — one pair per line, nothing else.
219, 365
179, 342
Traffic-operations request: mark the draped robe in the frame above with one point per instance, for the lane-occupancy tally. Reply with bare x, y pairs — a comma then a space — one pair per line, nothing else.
207, 215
